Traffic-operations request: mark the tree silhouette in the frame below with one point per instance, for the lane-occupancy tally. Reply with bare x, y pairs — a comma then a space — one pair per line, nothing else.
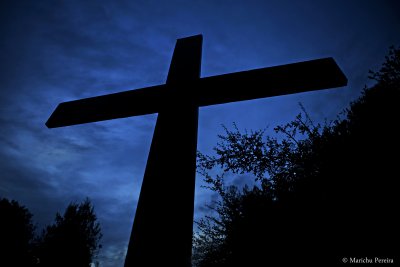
322, 193
73, 240
16, 234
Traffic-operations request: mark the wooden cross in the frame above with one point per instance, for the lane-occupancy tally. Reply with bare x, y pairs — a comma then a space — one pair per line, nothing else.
163, 225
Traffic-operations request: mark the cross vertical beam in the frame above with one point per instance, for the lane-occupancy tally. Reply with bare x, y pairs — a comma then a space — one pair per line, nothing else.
162, 230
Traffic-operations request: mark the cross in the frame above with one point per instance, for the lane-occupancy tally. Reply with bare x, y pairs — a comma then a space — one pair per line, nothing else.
163, 225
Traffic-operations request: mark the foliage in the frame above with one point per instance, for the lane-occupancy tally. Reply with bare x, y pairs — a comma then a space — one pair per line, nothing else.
73, 239
321, 192
16, 234
389, 74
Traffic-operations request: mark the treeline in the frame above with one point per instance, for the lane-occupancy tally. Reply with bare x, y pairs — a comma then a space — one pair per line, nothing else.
323, 193
72, 240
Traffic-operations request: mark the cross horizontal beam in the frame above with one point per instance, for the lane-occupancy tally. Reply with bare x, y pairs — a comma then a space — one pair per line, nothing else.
267, 82
246, 85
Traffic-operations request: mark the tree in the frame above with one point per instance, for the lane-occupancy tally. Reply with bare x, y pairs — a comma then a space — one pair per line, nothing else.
323, 192
16, 234
73, 240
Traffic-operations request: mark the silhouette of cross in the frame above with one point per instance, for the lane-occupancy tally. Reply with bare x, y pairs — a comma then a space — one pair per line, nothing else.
163, 225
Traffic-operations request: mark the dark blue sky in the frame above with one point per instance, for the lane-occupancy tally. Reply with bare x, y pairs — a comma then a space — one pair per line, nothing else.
56, 51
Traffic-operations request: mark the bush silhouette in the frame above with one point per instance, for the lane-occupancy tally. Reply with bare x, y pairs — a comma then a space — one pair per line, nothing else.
73, 239
16, 234
323, 192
